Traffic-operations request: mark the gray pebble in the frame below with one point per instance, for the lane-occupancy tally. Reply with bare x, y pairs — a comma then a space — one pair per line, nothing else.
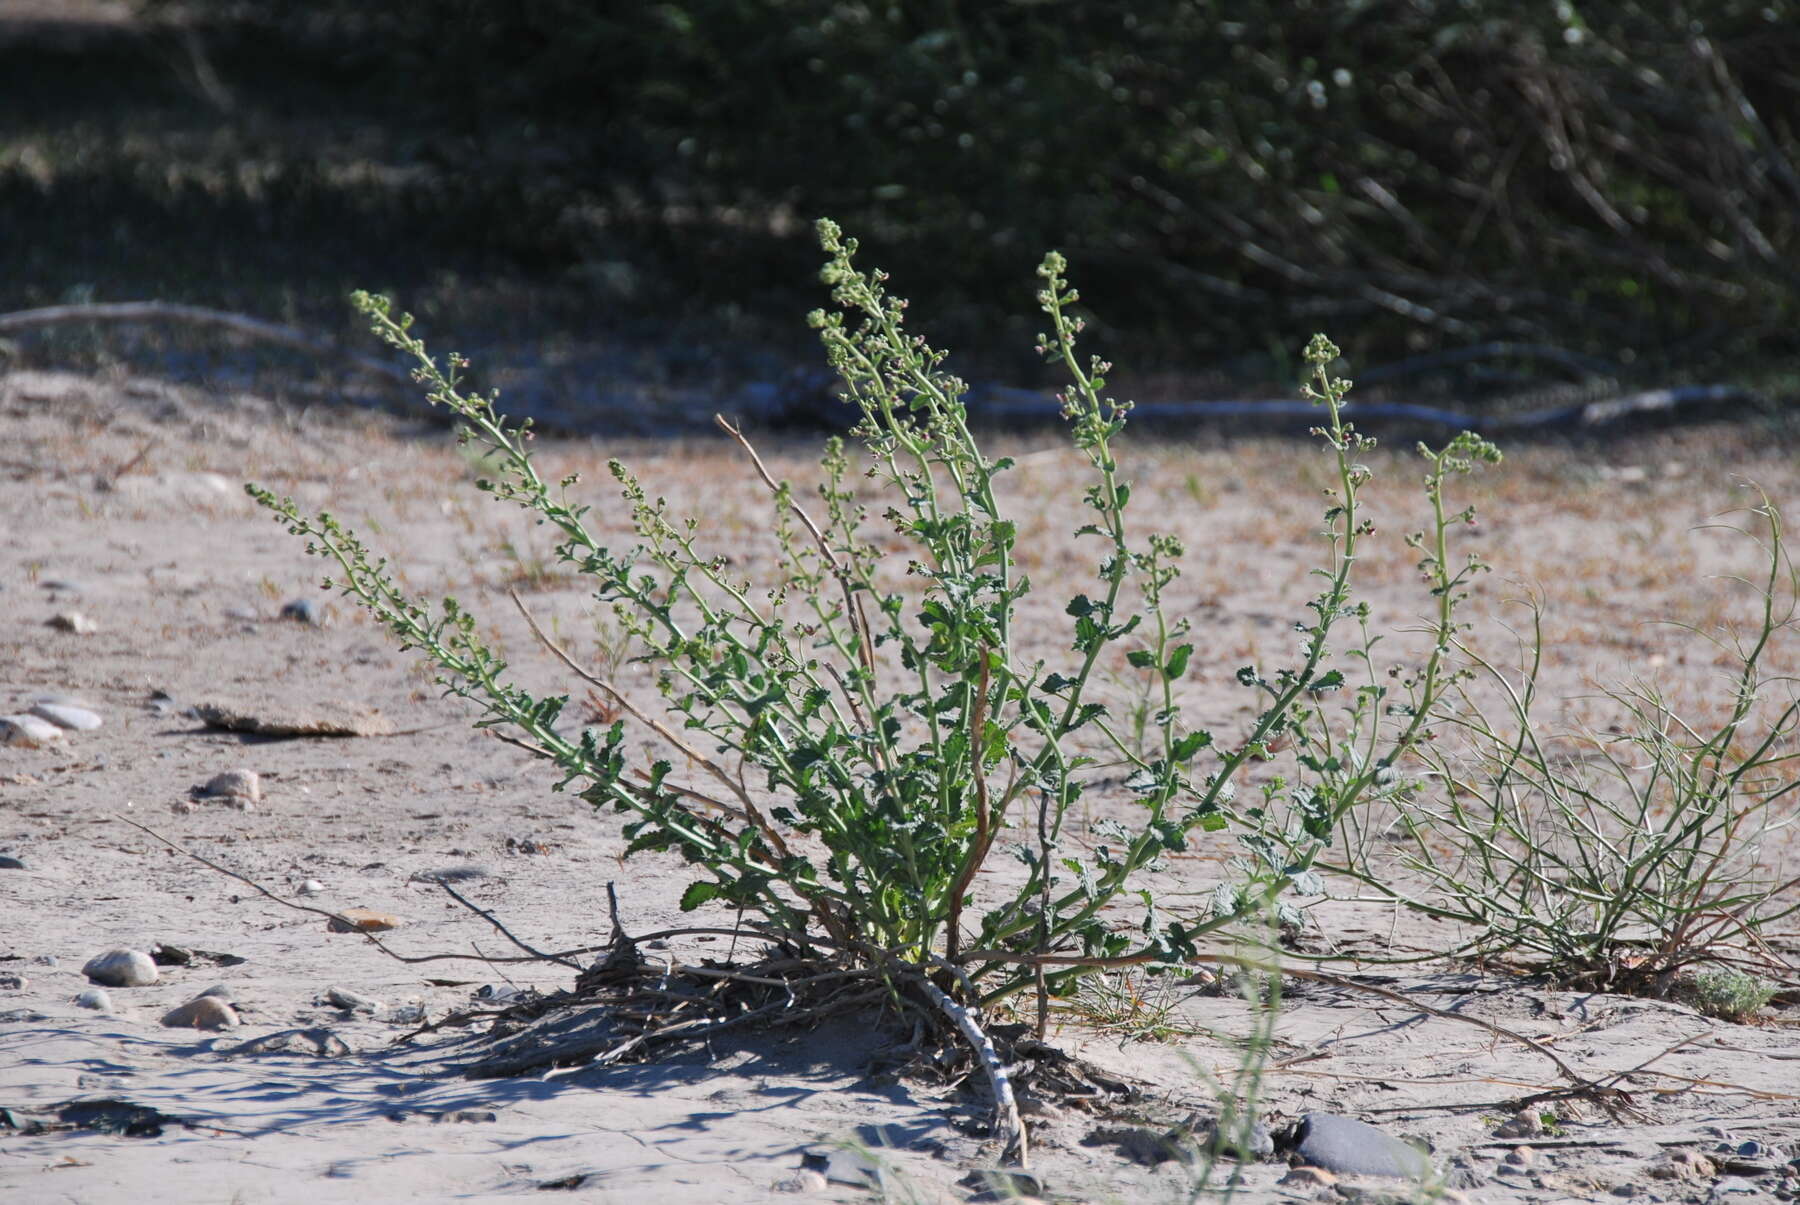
219, 991
8, 862
94, 998
121, 968
57, 585
67, 715
311, 887
1728, 1186
13, 983
1351, 1147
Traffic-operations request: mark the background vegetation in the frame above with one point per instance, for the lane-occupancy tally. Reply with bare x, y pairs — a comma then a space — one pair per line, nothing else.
1617, 179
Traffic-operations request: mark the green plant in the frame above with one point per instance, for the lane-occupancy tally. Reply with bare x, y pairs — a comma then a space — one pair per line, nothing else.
1728, 993
863, 740
1617, 858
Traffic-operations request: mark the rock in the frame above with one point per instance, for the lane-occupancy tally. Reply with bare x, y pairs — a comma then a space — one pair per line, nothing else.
356, 1002
219, 991
67, 715
363, 920
1350, 1147
1308, 1177
57, 585
804, 1180
121, 968
311, 887
1734, 1186
72, 621
323, 718
95, 999
234, 784
1520, 1156
10, 982
8, 862
202, 1012
28, 731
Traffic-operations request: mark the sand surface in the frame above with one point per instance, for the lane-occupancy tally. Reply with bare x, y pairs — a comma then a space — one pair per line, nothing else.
121, 500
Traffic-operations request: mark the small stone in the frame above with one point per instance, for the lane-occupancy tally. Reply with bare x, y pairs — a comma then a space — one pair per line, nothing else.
804, 1180
121, 968
311, 887
95, 999
1350, 1147
219, 991
202, 1012
8, 862
57, 585
234, 784
28, 731
1520, 1156
363, 920
72, 621
67, 715
356, 1002
10, 982
1308, 1177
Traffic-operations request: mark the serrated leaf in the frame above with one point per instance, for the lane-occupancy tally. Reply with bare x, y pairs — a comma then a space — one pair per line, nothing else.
697, 894
1191, 744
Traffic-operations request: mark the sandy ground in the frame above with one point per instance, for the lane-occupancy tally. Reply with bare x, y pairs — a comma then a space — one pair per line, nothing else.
121, 500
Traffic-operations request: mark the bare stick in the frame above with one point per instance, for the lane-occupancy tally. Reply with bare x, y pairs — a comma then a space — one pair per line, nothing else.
719, 772
193, 315
858, 620
487, 915
1249, 964
1006, 1106
348, 924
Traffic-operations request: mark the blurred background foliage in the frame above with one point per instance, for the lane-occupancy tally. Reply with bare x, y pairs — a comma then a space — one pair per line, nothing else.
1617, 179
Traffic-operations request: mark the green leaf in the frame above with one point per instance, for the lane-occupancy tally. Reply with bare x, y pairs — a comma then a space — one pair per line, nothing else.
1191, 744
1141, 658
1178, 661
697, 894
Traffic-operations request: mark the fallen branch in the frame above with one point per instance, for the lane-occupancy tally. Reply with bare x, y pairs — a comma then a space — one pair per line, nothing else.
193, 315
